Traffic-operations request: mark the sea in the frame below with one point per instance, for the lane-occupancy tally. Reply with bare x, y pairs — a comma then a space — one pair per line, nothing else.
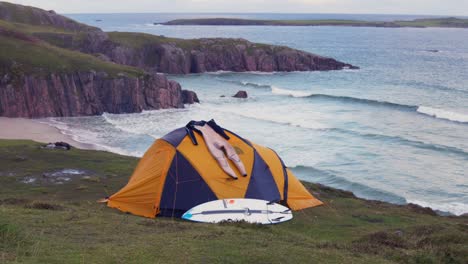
396, 130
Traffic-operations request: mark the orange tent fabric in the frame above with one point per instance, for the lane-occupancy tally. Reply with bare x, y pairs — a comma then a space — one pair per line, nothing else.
178, 172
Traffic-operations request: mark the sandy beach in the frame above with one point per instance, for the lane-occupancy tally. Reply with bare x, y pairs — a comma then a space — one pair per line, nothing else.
21, 128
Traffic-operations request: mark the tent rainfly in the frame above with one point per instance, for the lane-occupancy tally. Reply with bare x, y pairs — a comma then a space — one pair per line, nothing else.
178, 172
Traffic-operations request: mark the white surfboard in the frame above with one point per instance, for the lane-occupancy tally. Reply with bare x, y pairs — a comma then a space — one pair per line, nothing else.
234, 210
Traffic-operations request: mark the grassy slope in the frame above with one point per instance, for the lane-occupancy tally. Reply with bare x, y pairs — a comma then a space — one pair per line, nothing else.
63, 224
18, 46
139, 40
31, 15
436, 22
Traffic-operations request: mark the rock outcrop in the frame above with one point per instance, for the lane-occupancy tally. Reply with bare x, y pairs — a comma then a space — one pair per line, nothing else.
240, 94
189, 97
87, 93
178, 56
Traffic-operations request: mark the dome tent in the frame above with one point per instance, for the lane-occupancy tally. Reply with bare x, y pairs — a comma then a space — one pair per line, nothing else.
178, 172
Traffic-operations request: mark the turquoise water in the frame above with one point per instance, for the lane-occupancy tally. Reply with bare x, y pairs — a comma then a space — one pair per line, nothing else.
396, 130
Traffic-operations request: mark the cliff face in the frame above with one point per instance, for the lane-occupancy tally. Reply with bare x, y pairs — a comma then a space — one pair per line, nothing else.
86, 93
179, 56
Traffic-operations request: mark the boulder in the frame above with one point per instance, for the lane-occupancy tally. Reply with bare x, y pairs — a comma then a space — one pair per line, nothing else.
241, 94
189, 97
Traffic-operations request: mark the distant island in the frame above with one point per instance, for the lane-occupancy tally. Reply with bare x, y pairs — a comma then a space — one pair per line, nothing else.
447, 22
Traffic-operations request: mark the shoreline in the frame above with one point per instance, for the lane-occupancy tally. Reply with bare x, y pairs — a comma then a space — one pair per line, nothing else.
22, 128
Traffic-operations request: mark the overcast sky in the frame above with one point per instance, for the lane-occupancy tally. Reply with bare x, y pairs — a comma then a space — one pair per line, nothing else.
427, 7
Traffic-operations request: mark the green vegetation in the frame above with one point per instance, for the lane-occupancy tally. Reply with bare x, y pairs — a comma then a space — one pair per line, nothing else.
429, 22
22, 52
34, 16
43, 222
139, 40
451, 22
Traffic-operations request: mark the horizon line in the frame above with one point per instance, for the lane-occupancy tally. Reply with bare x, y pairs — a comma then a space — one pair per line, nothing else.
293, 13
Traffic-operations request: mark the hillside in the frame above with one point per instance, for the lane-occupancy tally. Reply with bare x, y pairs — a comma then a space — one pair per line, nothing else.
161, 54
449, 22
46, 218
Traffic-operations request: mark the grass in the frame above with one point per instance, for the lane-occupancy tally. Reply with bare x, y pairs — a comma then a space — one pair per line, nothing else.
429, 22
34, 16
49, 223
140, 40
26, 54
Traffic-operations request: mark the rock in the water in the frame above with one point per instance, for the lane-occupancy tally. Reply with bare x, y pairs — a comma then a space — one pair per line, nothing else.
241, 94
189, 97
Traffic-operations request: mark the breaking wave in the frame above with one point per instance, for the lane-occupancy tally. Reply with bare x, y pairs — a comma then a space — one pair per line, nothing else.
425, 110
455, 208
293, 93
443, 114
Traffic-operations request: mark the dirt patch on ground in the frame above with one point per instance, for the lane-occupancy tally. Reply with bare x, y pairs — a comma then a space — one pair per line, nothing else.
375, 242
421, 210
62, 176
14, 201
44, 206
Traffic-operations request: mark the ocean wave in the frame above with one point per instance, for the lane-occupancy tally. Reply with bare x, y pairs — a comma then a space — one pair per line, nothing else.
403, 141
221, 72
268, 117
455, 208
293, 93
88, 137
360, 190
425, 110
245, 83
443, 114
349, 99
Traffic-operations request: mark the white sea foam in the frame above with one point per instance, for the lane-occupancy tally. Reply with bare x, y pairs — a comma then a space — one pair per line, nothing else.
88, 137
78, 135
293, 93
248, 72
261, 113
443, 114
455, 208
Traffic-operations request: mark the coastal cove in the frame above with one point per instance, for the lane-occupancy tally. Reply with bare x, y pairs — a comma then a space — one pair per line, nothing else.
394, 130
131, 134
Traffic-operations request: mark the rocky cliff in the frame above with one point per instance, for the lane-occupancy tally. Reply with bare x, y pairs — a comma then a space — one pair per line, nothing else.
40, 80
85, 93
180, 56
169, 55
